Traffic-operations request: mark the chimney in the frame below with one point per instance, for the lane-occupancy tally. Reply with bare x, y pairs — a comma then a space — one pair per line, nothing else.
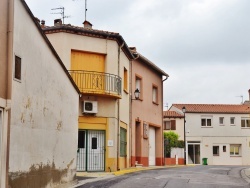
87, 25
57, 22
42, 24
249, 94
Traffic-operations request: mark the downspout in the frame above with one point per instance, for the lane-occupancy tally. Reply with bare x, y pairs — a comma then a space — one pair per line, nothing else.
162, 120
131, 108
9, 78
118, 111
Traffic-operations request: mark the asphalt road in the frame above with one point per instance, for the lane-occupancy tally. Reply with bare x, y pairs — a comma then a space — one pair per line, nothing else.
181, 177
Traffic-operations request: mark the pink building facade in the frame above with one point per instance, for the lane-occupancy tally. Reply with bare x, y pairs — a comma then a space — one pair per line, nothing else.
147, 112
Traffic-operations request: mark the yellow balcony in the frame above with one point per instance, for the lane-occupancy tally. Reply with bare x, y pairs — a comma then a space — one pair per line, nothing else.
97, 83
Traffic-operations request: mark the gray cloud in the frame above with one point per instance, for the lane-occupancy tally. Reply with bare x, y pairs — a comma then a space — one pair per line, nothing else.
202, 44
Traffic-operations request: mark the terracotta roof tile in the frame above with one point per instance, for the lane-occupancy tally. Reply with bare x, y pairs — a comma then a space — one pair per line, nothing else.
172, 114
215, 108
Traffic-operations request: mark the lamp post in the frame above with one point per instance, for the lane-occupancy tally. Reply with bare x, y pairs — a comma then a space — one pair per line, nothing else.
137, 94
184, 111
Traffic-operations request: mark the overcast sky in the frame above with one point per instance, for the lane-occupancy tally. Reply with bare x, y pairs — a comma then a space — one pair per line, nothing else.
204, 45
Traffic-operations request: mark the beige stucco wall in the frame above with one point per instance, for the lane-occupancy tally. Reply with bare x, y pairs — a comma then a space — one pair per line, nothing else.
44, 116
64, 43
115, 110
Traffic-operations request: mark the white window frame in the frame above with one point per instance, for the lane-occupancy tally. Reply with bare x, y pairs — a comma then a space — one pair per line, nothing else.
221, 118
206, 121
234, 151
155, 94
232, 118
245, 119
138, 85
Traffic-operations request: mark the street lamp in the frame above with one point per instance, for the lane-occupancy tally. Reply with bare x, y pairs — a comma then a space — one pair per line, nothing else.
184, 111
137, 94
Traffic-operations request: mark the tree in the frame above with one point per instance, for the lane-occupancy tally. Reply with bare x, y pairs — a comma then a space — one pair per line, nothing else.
170, 141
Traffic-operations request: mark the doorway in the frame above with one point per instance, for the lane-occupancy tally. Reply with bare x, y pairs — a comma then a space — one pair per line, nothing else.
151, 138
91, 150
193, 153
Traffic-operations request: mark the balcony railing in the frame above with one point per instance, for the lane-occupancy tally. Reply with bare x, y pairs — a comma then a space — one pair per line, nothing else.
97, 82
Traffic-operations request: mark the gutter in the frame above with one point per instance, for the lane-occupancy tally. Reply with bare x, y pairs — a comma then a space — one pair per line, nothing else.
162, 115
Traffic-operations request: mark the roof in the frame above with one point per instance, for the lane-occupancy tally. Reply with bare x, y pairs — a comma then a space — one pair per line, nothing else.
215, 108
49, 45
172, 114
68, 28
147, 61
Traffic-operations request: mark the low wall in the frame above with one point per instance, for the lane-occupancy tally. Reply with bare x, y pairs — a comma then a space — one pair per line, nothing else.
172, 161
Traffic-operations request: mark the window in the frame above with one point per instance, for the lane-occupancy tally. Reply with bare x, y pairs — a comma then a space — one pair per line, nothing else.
215, 150
232, 120
221, 120
94, 143
155, 94
125, 79
123, 142
224, 148
235, 149
81, 139
245, 122
17, 73
206, 121
170, 125
138, 85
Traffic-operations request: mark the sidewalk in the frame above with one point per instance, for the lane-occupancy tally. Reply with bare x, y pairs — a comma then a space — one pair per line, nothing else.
87, 177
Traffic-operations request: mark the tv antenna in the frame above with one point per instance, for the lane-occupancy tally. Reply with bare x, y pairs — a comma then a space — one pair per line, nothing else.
241, 98
61, 12
85, 11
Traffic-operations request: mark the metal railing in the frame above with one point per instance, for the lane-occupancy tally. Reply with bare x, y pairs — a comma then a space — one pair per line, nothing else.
97, 82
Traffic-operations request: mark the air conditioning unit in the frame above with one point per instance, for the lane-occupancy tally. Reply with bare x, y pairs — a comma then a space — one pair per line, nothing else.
90, 107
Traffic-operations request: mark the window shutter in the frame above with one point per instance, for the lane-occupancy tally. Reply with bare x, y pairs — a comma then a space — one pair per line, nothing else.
173, 125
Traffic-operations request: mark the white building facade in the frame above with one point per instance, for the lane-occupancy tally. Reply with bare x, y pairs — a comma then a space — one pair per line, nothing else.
218, 133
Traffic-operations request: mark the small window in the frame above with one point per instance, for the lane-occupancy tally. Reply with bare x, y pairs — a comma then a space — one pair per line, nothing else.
245, 122
94, 143
155, 94
215, 150
170, 125
224, 148
235, 149
232, 120
125, 79
17, 73
138, 85
221, 119
206, 121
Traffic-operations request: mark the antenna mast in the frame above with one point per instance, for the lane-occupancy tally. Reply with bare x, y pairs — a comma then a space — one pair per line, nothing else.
241, 98
62, 12
86, 10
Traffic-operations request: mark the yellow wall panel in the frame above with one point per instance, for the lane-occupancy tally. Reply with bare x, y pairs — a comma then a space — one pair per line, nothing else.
87, 61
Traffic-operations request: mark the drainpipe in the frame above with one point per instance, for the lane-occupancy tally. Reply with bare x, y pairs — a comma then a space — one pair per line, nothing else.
162, 119
9, 77
118, 112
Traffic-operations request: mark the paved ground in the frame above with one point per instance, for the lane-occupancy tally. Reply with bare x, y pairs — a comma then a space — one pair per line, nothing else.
86, 177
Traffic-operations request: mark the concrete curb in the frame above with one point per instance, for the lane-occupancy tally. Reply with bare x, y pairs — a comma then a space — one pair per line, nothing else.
245, 174
106, 175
